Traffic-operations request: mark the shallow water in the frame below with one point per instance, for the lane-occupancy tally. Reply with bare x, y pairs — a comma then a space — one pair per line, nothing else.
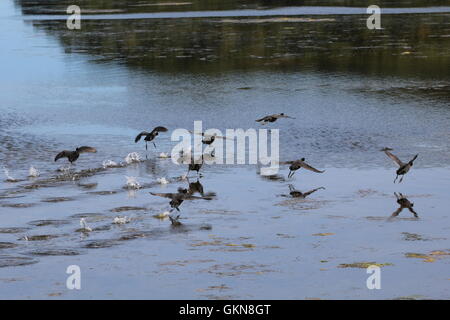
352, 92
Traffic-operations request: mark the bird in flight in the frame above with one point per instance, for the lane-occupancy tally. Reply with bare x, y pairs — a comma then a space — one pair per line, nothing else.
298, 164
273, 118
403, 167
195, 165
298, 194
73, 155
176, 199
149, 136
404, 204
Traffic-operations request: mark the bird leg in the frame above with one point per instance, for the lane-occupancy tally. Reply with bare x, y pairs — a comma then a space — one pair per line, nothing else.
175, 221
395, 178
401, 179
413, 212
154, 145
146, 148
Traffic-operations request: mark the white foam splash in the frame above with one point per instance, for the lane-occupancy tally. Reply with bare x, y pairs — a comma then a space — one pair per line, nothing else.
132, 157
9, 178
109, 164
65, 169
33, 172
84, 226
132, 183
162, 180
121, 220
164, 155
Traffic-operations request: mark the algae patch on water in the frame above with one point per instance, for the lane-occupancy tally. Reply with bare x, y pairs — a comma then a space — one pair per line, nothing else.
430, 257
363, 265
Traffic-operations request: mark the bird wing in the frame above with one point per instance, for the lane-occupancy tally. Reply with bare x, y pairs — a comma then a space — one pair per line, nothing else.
159, 129
138, 137
308, 167
287, 162
190, 197
62, 154
208, 137
85, 149
393, 157
164, 195
263, 119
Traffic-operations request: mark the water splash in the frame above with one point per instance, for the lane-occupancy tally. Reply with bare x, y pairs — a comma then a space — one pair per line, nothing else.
9, 178
84, 226
164, 155
121, 220
132, 158
33, 172
109, 164
132, 183
65, 169
162, 180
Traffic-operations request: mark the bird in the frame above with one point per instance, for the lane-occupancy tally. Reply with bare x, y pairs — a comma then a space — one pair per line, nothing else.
149, 136
209, 138
404, 203
297, 164
195, 166
403, 167
73, 155
176, 199
298, 194
273, 118
197, 187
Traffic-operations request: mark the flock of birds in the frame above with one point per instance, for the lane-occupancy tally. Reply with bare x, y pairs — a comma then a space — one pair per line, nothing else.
176, 199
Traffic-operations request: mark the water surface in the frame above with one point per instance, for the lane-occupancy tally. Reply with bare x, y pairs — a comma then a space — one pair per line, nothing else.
351, 90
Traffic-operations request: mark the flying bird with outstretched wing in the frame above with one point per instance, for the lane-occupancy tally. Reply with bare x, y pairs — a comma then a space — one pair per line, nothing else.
72, 156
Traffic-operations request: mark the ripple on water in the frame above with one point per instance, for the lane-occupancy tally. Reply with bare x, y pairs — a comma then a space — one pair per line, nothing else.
97, 244
57, 199
55, 252
92, 217
127, 208
102, 193
41, 237
13, 230
10, 261
42, 223
17, 205
7, 245
88, 185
